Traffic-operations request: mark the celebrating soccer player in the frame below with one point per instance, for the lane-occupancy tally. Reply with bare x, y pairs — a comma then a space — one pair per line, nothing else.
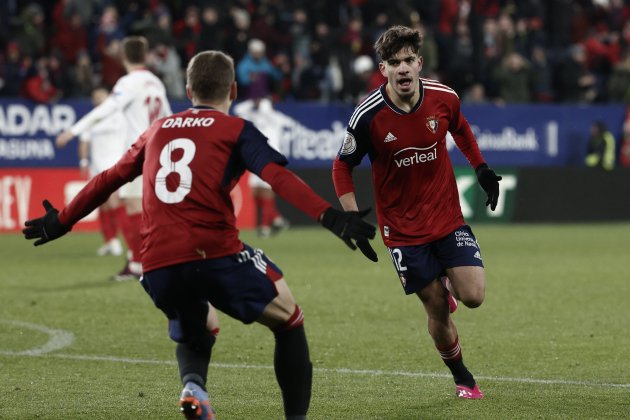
402, 127
191, 253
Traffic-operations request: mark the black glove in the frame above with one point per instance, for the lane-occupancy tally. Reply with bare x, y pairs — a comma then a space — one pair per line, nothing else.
349, 225
367, 250
45, 228
489, 181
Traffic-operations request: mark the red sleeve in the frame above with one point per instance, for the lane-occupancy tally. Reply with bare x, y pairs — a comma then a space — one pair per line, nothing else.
95, 193
342, 177
291, 188
465, 139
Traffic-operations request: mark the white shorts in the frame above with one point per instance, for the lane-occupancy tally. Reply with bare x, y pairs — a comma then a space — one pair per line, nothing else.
132, 189
254, 181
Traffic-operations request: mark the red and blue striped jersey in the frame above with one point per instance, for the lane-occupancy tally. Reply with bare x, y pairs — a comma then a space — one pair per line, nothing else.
416, 193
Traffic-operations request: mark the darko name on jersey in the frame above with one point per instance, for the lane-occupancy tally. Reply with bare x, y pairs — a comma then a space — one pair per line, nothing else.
179, 122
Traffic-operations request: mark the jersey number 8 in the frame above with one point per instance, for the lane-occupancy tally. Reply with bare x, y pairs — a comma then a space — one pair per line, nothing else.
167, 167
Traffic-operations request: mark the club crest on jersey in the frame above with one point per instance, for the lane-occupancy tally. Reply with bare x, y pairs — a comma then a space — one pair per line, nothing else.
432, 124
349, 145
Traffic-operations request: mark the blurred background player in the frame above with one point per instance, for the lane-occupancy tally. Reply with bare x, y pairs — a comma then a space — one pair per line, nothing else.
100, 147
192, 254
402, 126
260, 111
141, 97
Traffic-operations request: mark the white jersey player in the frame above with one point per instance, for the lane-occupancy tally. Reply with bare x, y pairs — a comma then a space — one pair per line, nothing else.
100, 147
141, 97
270, 122
105, 142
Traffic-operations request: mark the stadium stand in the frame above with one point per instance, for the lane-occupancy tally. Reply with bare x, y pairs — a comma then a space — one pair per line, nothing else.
488, 50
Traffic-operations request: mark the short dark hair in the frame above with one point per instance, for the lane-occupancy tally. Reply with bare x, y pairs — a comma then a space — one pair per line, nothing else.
395, 39
210, 75
135, 49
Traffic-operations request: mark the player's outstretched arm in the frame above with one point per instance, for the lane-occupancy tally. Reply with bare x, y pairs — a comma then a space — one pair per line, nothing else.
489, 181
64, 138
347, 225
46, 228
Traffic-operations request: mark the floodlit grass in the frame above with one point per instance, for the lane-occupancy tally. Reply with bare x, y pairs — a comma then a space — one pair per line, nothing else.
551, 340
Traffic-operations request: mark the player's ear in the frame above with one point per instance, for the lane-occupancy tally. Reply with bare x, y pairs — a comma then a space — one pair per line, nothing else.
420, 61
189, 92
381, 67
233, 91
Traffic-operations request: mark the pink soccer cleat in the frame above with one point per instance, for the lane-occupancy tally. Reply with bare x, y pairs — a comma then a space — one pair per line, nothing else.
463, 391
452, 301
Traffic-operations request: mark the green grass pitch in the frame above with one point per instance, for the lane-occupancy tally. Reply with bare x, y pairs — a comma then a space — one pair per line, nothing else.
551, 340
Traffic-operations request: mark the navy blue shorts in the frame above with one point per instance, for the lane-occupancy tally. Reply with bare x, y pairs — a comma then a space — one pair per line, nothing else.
240, 285
418, 265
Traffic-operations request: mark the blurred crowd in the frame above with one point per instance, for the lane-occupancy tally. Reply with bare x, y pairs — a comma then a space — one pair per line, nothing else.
321, 50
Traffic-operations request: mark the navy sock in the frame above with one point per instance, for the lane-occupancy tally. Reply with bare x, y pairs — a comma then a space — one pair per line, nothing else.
193, 359
294, 370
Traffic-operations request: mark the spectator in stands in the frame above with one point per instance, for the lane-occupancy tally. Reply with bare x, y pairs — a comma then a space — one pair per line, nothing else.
461, 74
540, 76
37, 86
238, 34
624, 152
112, 68
71, 35
59, 75
575, 82
475, 94
164, 30
31, 37
83, 75
165, 63
186, 32
601, 147
255, 73
107, 31
300, 33
212, 36
619, 82
306, 79
430, 53
321, 49
283, 88
267, 27
513, 79
359, 85
12, 71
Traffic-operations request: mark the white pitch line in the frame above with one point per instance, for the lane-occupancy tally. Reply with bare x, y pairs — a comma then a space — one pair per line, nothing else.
57, 339
368, 372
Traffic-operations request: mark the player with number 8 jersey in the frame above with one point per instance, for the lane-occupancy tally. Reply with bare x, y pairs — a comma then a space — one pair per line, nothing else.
191, 252
192, 160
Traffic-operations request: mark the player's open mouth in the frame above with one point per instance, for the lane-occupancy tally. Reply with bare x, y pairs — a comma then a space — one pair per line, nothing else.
405, 83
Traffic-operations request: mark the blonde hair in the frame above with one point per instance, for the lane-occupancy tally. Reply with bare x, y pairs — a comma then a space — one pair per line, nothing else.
210, 75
